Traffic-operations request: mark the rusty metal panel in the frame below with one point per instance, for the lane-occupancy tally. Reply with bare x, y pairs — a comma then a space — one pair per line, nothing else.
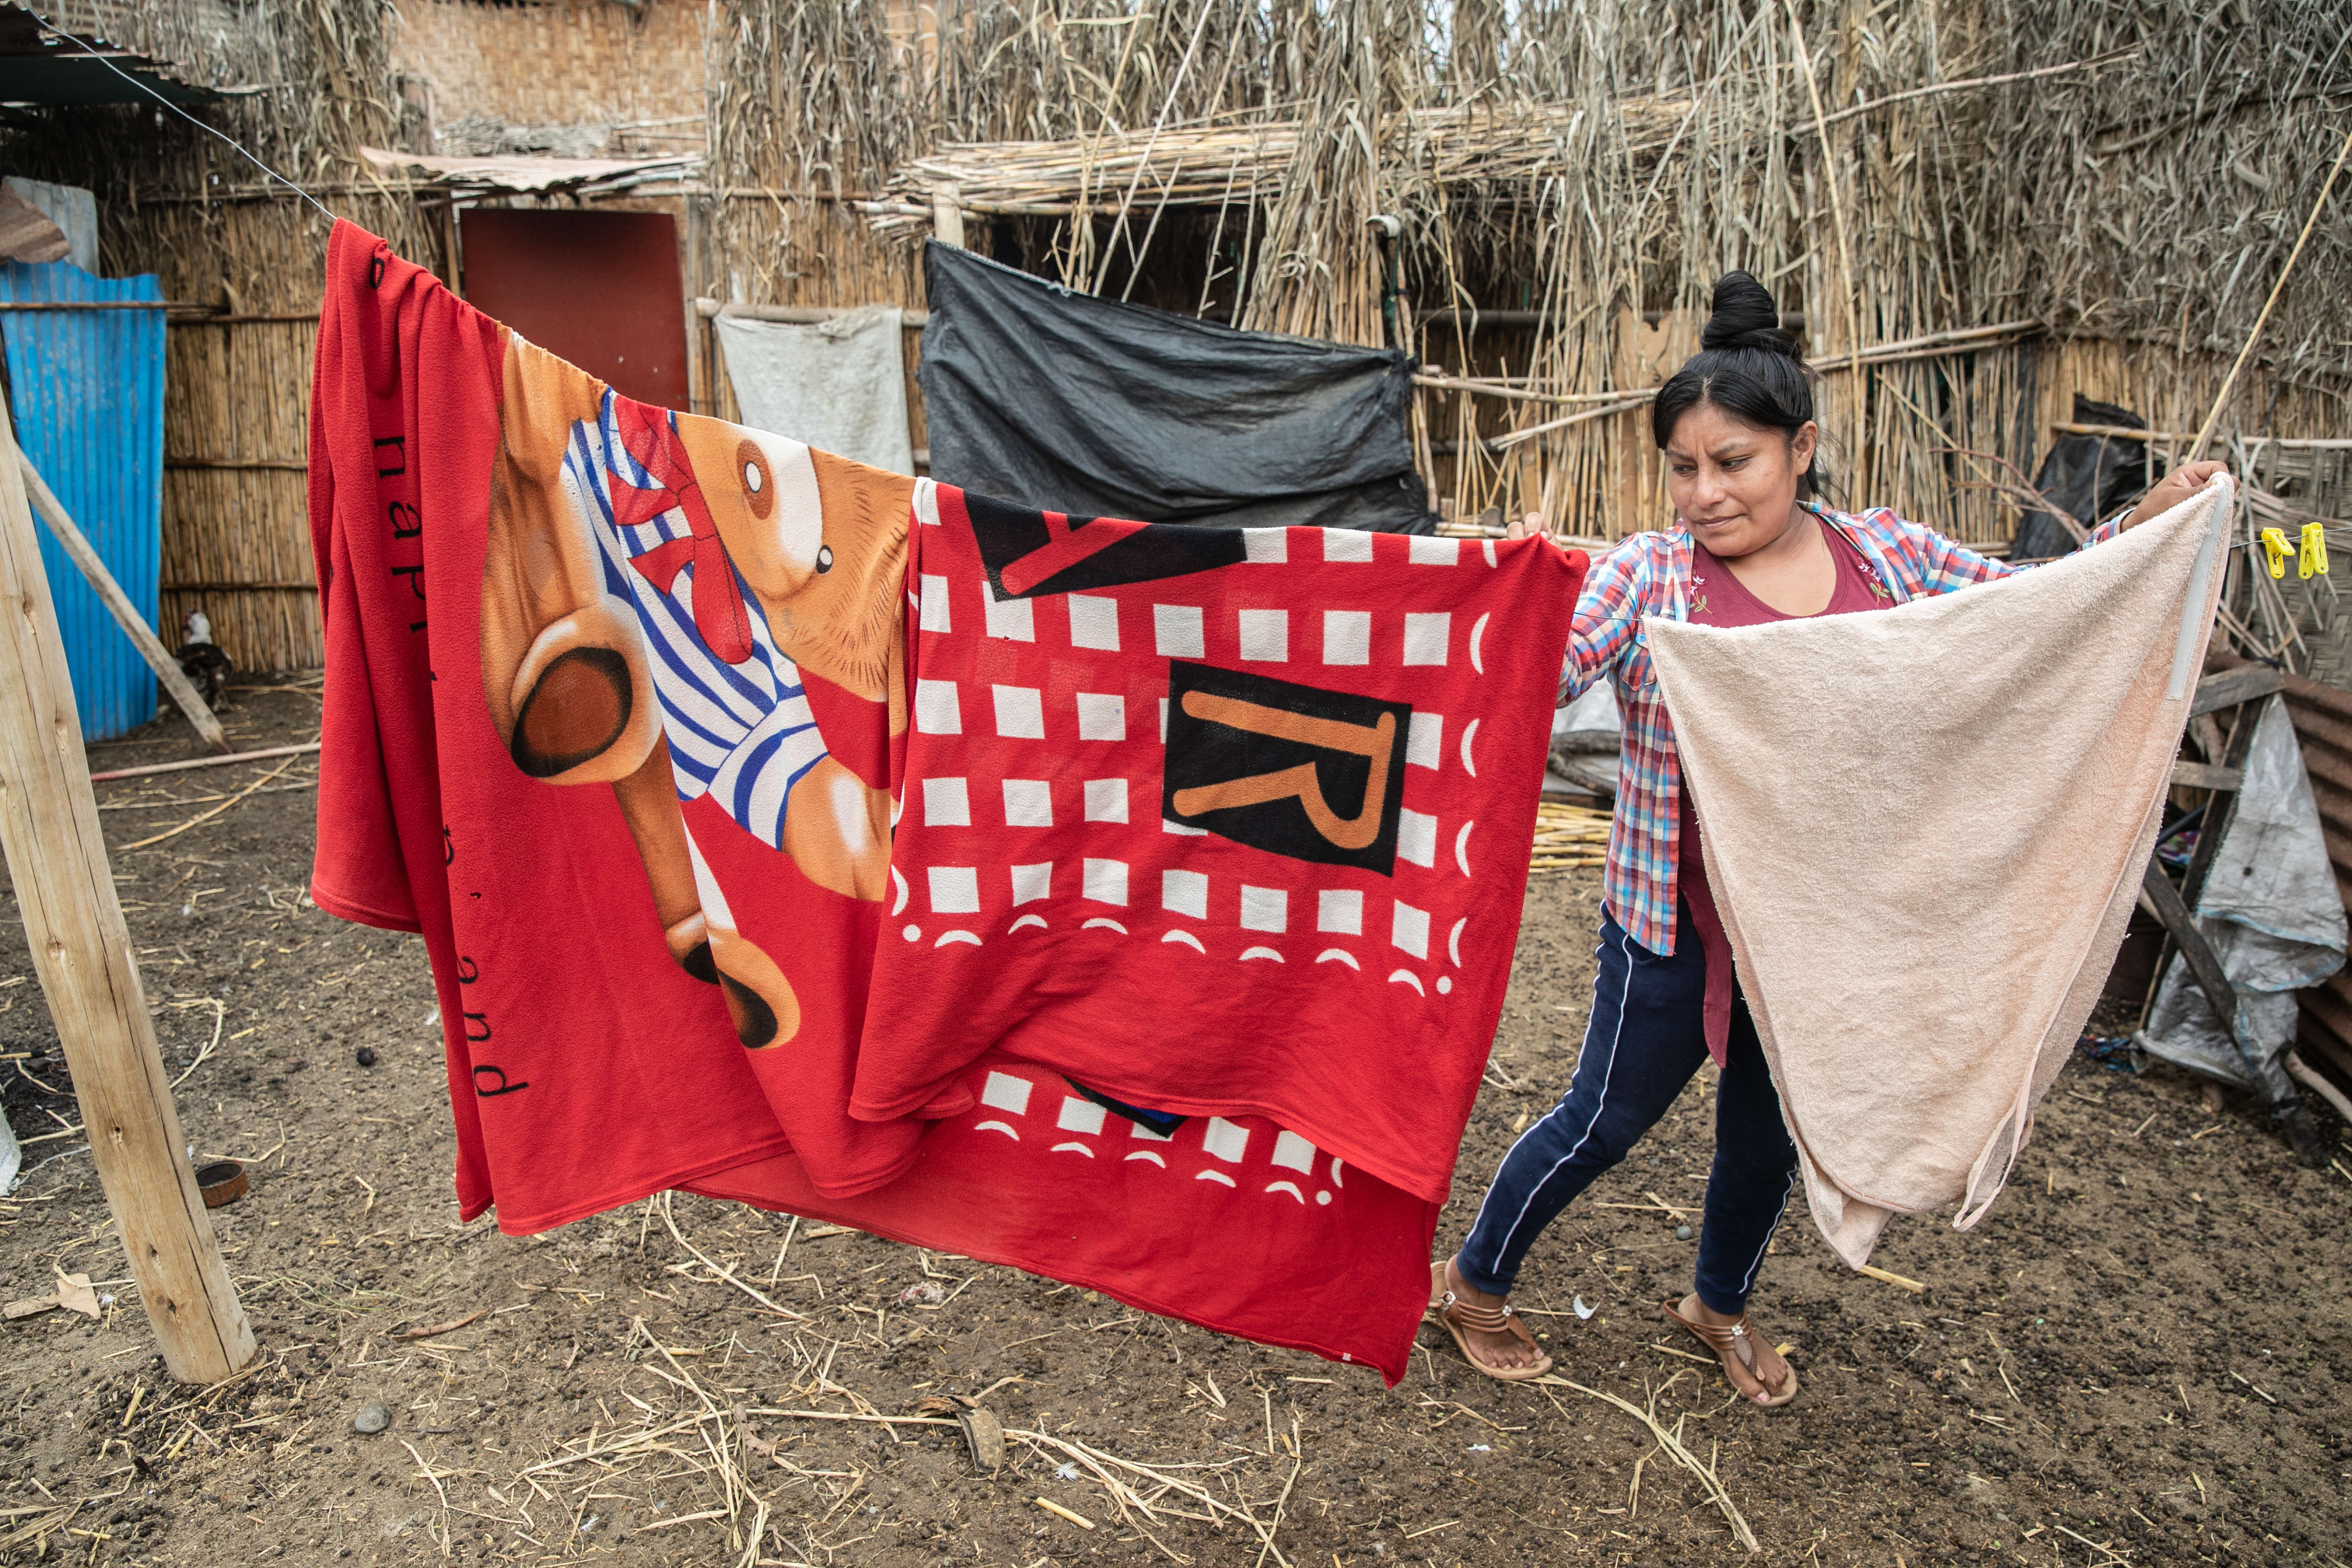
600, 290
2323, 723
87, 394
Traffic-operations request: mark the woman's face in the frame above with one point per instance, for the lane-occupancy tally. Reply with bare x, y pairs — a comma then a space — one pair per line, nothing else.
1735, 485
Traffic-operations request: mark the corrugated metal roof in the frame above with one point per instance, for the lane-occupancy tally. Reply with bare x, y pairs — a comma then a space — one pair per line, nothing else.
87, 394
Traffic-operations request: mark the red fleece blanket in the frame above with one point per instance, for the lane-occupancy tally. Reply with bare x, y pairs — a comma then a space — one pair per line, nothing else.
1215, 819
623, 707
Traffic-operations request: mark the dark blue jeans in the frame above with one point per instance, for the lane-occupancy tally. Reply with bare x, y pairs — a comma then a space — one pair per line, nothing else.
1646, 1038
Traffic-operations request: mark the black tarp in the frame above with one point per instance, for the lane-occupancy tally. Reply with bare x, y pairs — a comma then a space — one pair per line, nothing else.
2091, 476
1057, 399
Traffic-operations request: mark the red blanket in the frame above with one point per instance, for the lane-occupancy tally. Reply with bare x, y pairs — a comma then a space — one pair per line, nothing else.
1215, 819
620, 708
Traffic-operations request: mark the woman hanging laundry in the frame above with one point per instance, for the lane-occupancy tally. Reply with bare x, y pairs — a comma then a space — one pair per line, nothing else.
1752, 542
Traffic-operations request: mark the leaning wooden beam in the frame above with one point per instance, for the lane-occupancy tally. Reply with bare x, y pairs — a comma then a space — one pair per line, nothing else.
81, 951
118, 603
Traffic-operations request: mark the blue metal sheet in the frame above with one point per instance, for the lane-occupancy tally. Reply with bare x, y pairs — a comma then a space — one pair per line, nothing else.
87, 392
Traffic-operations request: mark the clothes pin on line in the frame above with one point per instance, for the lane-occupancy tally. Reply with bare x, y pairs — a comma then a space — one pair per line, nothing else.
2313, 561
2275, 550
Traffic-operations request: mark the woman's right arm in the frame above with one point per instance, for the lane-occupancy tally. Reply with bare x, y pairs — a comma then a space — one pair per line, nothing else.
1607, 621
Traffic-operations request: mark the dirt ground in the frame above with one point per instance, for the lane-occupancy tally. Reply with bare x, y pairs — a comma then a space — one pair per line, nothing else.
2141, 1356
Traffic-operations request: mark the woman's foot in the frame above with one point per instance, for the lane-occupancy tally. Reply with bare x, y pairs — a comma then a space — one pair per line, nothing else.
1498, 1348
1756, 1370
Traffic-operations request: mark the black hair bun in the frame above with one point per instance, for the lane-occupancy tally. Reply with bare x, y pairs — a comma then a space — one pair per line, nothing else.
1745, 317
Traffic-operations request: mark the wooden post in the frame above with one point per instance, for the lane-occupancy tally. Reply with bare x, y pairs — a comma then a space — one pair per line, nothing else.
81, 950
126, 614
947, 214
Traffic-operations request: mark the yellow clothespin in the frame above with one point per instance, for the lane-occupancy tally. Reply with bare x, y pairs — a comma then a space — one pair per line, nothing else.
2312, 561
2275, 548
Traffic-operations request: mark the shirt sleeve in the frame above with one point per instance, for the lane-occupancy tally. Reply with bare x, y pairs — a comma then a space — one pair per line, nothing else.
1945, 565
1607, 621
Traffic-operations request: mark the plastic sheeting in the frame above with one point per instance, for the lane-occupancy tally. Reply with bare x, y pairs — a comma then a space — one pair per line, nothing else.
2091, 476
1089, 406
837, 385
2271, 912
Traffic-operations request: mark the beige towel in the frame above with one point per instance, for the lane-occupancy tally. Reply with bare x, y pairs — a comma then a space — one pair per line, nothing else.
1925, 829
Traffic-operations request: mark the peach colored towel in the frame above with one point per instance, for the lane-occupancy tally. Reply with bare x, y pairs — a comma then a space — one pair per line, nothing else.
1925, 829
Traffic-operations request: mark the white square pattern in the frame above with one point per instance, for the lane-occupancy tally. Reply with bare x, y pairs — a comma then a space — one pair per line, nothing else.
1410, 930
1292, 1152
1423, 740
1347, 634
1429, 550
945, 803
1416, 837
1340, 911
955, 890
935, 605
1102, 716
1346, 544
1094, 622
936, 712
1079, 1115
1013, 619
1106, 882
1265, 544
1004, 1091
1031, 883
1106, 800
1176, 632
1425, 636
1265, 635
1225, 1140
1264, 908
1184, 893
1028, 803
1020, 712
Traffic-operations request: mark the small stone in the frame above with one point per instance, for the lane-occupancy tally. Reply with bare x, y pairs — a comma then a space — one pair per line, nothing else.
374, 1418
367, 1055
1681, 1233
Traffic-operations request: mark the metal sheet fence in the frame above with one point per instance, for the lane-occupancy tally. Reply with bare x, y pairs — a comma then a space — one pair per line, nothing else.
87, 394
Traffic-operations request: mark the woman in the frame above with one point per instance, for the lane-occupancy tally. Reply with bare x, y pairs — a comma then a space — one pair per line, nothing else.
1752, 542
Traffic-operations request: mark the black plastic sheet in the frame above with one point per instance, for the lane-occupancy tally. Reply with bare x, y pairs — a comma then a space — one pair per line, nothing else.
1066, 402
2091, 476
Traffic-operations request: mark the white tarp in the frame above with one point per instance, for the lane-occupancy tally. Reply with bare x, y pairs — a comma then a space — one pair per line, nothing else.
2272, 913
837, 385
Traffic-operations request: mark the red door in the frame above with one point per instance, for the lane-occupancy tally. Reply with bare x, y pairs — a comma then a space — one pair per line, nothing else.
598, 289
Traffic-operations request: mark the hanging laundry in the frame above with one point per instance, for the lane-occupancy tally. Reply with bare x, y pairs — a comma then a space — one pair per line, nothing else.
618, 715
837, 385
1091, 406
1197, 815
1925, 829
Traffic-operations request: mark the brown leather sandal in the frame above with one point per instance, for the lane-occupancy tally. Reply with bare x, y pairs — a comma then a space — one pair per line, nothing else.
1735, 1341
1457, 1315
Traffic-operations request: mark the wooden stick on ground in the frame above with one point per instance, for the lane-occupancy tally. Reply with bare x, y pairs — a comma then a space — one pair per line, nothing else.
140, 773
81, 950
118, 605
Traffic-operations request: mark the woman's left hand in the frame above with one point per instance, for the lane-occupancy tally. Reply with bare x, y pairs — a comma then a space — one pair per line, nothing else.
2177, 486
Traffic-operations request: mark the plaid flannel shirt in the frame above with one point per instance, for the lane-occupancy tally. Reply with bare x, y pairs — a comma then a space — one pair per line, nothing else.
1649, 574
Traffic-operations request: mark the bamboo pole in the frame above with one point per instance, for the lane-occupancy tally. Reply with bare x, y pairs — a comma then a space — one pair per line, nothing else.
118, 605
2221, 398
81, 950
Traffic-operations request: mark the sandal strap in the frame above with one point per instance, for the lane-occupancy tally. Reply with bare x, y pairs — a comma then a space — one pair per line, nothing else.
1724, 1339
1485, 1319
